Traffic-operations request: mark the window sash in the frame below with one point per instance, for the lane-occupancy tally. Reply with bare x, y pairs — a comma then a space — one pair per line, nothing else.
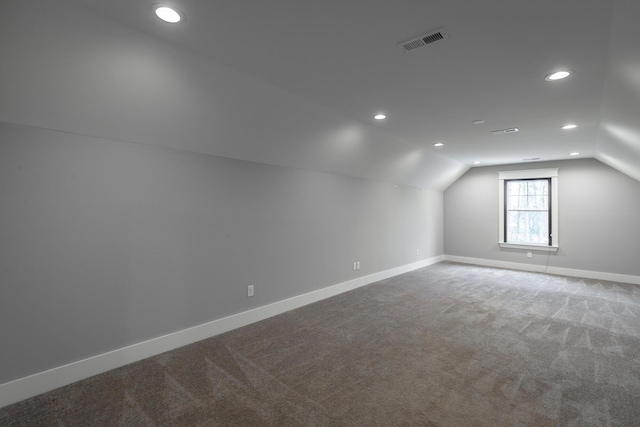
527, 211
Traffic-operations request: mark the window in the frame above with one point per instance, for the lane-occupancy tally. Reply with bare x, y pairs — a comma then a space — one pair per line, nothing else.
529, 209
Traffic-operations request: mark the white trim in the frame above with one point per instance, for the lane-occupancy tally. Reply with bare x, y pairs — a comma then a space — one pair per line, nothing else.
529, 247
500, 210
555, 223
23, 388
597, 275
530, 174
585, 274
495, 263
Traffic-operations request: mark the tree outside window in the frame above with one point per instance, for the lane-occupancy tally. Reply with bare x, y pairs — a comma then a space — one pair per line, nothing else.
527, 211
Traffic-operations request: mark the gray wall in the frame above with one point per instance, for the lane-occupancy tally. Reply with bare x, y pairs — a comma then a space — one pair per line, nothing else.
106, 244
599, 218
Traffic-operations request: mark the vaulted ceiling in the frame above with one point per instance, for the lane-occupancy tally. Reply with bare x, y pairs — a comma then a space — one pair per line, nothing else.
296, 83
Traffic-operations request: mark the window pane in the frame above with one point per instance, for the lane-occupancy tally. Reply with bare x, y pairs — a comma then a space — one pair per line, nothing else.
527, 216
528, 227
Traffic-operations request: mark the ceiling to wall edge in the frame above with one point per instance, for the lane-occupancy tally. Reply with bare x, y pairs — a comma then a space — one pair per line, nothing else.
450, 181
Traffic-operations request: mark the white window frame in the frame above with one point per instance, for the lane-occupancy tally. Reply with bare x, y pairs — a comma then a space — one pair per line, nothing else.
530, 174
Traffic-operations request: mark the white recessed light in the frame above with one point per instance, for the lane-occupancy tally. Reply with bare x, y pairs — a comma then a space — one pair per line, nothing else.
557, 75
569, 126
575, 153
438, 144
379, 117
168, 14
477, 122
476, 163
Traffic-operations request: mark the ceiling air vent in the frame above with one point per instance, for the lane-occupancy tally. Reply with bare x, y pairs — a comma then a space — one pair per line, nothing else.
423, 40
503, 131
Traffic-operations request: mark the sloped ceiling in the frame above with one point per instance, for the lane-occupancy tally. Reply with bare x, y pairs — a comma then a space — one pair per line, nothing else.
296, 83
618, 143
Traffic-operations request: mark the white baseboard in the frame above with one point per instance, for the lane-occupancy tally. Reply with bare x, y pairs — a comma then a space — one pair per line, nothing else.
23, 388
586, 274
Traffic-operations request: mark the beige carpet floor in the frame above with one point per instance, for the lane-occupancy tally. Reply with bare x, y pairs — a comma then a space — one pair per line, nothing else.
446, 345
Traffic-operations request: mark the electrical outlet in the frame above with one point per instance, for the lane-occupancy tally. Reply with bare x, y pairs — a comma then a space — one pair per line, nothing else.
357, 265
250, 290
529, 254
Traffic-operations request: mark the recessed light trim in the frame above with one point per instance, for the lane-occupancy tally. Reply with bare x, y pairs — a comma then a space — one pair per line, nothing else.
476, 162
380, 116
477, 122
168, 14
569, 126
575, 153
438, 144
558, 75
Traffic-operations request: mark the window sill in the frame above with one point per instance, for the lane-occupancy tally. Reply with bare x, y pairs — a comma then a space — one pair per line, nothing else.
529, 247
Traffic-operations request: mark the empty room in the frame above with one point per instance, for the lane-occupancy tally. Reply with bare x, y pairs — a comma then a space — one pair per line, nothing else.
297, 213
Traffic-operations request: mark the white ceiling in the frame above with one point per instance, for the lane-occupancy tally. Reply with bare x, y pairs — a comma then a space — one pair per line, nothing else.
296, 82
